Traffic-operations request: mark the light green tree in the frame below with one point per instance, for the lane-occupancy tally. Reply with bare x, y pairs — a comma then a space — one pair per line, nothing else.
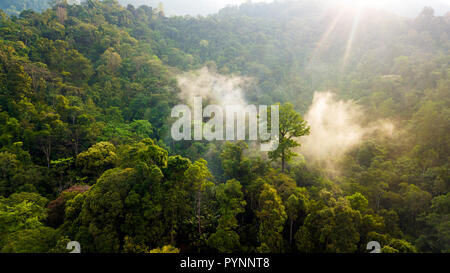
272, 217
292, 127
230, 198
198, 175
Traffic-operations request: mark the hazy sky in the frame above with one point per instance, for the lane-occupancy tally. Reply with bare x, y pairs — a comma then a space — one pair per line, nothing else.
192, 7
204, 7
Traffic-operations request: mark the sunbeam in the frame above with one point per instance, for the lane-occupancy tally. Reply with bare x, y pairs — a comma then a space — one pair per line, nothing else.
325, 36
352, 34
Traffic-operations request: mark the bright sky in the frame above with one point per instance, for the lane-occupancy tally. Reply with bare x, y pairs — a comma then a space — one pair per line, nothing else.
375, 3
194, 7
402, 7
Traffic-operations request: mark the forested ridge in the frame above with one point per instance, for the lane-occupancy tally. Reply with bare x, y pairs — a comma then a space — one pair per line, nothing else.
16, 7
86, 93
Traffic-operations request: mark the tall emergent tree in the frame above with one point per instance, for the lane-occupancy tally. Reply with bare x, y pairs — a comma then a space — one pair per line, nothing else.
292, 126
231, 203
271, 216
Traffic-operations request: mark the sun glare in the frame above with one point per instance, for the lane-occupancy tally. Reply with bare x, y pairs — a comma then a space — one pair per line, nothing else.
365, 3
358, 6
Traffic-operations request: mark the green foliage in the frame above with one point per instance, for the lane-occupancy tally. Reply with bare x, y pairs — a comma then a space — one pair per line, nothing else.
296, 205
402, 246
37, 240
86, 93
292, 126
15, 7
388, 249
166, 249
437, 221
358, 202
22, 217
272, 217
97, 159
332, 229
231, 203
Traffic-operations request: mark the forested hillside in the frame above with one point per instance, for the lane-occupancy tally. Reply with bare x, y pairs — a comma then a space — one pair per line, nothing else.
86, 93
15, 7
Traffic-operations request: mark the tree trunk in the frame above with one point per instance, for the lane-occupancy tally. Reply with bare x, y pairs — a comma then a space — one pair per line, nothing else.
199, 202
76, 138
46, 147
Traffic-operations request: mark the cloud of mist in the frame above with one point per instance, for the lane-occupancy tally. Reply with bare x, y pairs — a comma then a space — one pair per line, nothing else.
212, 87
336, 128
